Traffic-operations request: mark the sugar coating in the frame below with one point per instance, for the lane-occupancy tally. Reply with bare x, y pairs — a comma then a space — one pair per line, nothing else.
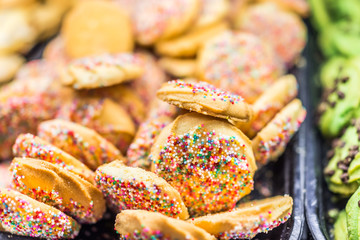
209, 169
20, 216
147, 233
122, 194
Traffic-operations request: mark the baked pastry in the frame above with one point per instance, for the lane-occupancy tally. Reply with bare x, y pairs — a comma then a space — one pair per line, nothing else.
269, 104
5, 179
248, 219
104, 115
30, 146
101, 71
204, 98
208, 160
54, 51
300, 7
57, 187
238, 62
164, 19
134, 188
102, 25
15, 3
188, 45
140, 224
178, 67
25, 216
9, 65
38, 68
81, 142
271, 141
212, 12
277, 27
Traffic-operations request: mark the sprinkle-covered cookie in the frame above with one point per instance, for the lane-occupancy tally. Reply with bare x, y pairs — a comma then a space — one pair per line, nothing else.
22, 215
30, 146
271, 141
102, 70
83, 143
240, 63
208, 160
269, 104
204, 98
140, 224
57, 187
9, 65
248, 219
134, 188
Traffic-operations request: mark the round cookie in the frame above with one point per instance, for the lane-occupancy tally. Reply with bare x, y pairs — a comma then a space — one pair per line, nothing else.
102, 25
204, 98
36, 69
9, 65
140, 224
188, 45
248, 219
212, 12
300, 7
55, 51
15, 3
102, 70
104, 115
134, 188
283, 30
164, 19
269, 104
271, 141
57, 187
208, 160
25, 216
83, 143
238, 62
30, 146
178, 67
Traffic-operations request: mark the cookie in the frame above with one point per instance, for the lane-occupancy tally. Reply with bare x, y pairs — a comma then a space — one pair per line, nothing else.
164, 19
208, 160
248, 219
9, 65
212, 12
279, 28
269, 104
134, 188
81, 142
30, 146
271, 141
300, 7
5, 180
178, 67
38, 68
102, 25
238, 62
140, 224
188, 45
15, 3
57, 187
204, 98
25, 216
54, 51
104, 115
101, 71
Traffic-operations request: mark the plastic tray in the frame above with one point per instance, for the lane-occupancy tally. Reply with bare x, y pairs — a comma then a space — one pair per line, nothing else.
286, 176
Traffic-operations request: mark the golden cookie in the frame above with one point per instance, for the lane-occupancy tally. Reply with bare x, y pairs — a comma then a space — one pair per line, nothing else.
271, 141
30, 146
134, 188
189, 44
140, 224
269, 104
15, 3
208, 160
156, 20
57, 187
83, 143
9, 65
97, 27
238, 62
104, 115
101, 71
22, 215
212, 12
204, 98
248, 219
178, 67
283, 30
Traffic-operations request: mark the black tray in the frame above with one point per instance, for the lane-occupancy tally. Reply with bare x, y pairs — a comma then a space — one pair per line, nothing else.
286, 176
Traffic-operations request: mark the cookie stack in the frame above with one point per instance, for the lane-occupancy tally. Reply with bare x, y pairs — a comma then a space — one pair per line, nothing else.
171, 158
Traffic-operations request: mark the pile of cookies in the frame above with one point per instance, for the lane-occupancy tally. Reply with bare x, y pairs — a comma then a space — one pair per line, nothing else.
96, 124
